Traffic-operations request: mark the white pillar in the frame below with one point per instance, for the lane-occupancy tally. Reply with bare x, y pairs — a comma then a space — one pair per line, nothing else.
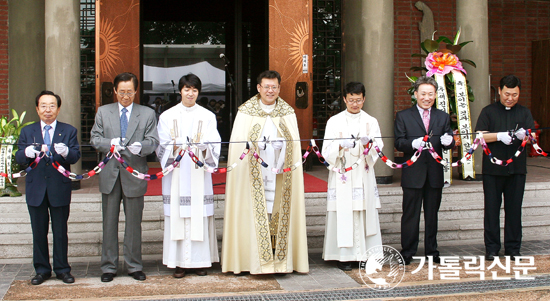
368, 43
62, 33
472, 17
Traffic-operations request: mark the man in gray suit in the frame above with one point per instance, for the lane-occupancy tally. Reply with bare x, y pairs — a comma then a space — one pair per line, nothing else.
132, 128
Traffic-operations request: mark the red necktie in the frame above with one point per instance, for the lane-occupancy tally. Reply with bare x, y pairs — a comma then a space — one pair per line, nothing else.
426, 119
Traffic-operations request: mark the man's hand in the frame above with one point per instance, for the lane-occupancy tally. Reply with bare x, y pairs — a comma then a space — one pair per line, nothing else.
61, 149
365, 140
504, 137
180, 142
347, 143
418, 143
520, 134
117, 142
446, 139
262, 144
30, 152
277, 144
135, 148
202, 146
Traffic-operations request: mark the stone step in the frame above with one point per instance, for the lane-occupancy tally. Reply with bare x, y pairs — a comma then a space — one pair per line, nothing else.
391, 198
79, 222
461, 219
463, 213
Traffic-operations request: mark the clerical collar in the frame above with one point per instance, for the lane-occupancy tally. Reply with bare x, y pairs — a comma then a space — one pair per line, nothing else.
189, 109
505, 107
267, 108
351, 115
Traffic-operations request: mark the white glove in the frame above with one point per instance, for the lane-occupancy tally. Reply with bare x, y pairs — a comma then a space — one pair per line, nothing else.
365, 140
418, 143
520, 134
202, 146
347, 143
61, 149
261, 144
504, 138
277, 144
30, 152
180, 142
117, 142
446, 139
135, 148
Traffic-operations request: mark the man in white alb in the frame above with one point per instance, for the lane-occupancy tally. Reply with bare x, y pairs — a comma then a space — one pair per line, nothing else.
352, 225
189, 231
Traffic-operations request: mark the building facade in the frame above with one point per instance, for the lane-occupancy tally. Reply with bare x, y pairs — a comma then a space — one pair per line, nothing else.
76, 47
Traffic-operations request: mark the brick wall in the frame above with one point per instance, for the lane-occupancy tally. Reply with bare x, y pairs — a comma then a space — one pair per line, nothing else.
513, 26
4, 61
407, 40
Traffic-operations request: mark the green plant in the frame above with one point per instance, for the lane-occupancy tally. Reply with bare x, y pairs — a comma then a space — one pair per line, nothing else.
10, 129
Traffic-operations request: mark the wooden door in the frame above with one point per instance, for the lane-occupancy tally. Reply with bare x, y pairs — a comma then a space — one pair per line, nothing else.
290, 39
540, 101
117, 45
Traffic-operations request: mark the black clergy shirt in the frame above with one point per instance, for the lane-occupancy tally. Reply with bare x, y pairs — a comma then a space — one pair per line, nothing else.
495, 118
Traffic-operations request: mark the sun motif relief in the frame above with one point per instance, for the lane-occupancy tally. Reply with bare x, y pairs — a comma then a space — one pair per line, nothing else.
109, 47
297, 44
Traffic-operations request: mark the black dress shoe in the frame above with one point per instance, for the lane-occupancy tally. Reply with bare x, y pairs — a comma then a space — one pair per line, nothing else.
201, 272
513, 255
436, 259
107, 277
40, 278
407, 259
139, 275
344, 266
66, 277
490, 256
179, 272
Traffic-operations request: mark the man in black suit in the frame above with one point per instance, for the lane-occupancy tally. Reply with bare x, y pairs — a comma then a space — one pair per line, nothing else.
422, 182
47, 191
496, 120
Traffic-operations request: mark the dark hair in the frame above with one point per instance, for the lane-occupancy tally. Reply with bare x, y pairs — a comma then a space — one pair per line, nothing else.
125, 77
425, 80
354, 88
190, 80
510, 81
270, 74
45, 92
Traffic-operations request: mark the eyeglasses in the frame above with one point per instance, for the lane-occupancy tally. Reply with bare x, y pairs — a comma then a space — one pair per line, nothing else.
267, 88
356, 101
50, 107
129, 94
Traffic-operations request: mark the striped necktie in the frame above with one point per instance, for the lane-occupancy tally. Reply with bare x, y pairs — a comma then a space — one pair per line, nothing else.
123, 123
47, 139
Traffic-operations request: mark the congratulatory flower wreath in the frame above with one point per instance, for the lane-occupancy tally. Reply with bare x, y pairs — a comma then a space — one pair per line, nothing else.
453, 93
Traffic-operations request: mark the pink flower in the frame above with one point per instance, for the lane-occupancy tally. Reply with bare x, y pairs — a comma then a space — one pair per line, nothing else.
442, 63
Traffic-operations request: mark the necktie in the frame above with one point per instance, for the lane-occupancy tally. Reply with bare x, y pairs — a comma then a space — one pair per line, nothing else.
123, 123
426, 119
47, 139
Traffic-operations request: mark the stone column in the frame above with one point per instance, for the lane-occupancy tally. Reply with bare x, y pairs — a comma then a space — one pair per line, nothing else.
368, 43
472, 17
26, 55
62, 32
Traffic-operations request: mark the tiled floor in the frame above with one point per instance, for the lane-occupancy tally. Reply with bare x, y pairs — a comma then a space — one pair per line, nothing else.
322, 276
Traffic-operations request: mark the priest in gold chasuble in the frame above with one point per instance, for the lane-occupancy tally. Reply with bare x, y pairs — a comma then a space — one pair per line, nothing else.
265, 223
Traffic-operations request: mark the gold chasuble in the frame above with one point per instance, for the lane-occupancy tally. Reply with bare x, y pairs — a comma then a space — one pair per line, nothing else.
251, 241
